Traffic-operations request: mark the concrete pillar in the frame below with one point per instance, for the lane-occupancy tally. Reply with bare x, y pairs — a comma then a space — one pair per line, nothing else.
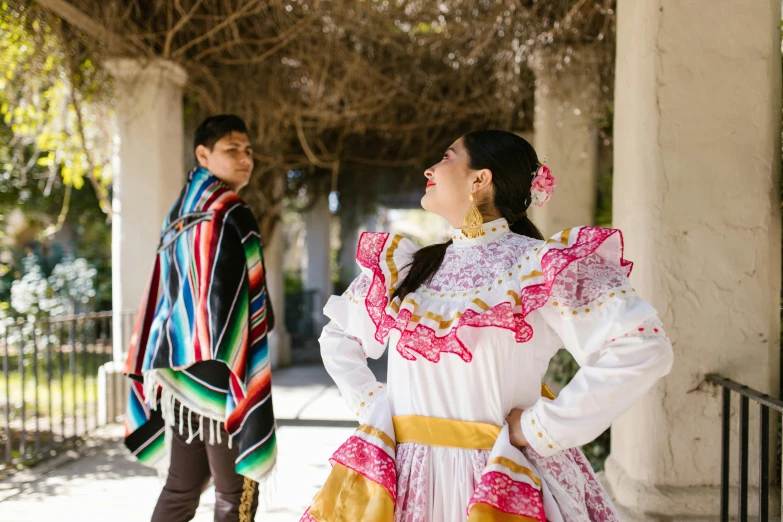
566, 139
113, 390
274, 261
696, 191
371, 222
149, 175
318, 271
349, 240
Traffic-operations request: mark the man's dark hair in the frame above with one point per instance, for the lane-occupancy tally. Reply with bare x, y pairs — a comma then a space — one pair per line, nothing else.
215, 128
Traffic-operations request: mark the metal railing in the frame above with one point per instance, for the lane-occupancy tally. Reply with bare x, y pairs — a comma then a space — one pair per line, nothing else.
766, 404
49, 392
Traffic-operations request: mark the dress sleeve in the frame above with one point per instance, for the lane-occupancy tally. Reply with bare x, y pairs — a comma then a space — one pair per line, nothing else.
356, 330
613, 334
346, 343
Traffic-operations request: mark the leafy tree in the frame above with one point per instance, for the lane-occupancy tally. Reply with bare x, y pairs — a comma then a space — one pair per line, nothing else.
55, 146
53, 101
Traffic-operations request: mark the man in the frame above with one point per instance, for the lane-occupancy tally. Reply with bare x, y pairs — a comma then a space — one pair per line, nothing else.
198, 355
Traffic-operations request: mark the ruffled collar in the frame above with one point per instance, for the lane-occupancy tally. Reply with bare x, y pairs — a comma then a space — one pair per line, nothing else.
493, 231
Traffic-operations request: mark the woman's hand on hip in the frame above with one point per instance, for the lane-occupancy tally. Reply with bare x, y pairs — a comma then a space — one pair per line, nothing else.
515, 428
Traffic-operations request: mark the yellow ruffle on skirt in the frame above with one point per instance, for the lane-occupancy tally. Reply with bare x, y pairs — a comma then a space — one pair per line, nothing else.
348, 496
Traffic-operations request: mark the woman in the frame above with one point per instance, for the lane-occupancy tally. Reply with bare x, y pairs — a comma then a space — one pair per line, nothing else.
464, 430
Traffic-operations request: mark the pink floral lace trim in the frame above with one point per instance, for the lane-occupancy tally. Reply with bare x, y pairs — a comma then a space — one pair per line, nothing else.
424, 340
413, 474
369, 460
486, 263
578, 492
307, 517
509, 496
413, 488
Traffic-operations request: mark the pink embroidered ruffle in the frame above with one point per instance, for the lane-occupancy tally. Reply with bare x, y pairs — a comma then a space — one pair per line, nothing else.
369, 460
570, 479
576, 267
509, 496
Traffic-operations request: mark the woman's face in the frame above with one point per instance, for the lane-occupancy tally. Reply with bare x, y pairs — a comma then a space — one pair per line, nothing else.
449, 185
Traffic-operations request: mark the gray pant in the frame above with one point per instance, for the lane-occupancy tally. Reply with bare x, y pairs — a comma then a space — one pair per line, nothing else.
236, 497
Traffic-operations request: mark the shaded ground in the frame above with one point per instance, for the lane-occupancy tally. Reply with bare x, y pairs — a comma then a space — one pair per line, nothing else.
103, 481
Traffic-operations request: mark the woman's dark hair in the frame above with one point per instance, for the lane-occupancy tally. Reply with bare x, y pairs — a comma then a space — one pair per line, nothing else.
513, 163
215, 128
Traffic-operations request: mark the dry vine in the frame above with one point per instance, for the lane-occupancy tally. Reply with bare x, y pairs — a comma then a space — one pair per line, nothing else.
331, 86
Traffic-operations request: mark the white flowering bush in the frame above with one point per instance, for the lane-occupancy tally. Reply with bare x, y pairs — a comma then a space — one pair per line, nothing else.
68, 289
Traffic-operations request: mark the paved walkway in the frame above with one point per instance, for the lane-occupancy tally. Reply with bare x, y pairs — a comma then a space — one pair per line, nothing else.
106, 483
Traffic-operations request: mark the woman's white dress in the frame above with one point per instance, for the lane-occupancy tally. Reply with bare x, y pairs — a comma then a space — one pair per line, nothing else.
475, 342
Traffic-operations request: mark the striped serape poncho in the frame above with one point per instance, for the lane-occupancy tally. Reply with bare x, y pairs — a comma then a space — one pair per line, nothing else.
200, 340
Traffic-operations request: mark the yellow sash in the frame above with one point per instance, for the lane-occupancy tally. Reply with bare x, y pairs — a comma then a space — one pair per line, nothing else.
450, 433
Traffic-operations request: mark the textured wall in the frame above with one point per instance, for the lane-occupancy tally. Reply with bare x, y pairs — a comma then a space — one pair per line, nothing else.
696, 191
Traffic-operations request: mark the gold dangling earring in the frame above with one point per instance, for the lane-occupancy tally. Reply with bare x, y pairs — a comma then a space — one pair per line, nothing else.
472, 225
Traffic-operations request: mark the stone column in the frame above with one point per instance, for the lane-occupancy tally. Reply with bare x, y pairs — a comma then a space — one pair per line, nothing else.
349, 240
566, 139
279, 338
318, 272
696, 191
149, 175
371, 222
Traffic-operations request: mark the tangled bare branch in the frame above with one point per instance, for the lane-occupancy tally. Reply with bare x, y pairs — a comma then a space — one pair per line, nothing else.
338, 84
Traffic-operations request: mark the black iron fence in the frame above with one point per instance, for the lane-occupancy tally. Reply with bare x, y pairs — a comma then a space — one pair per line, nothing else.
766, 405
49, 391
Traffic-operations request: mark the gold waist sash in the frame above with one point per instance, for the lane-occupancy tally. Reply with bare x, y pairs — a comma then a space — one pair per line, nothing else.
449, 433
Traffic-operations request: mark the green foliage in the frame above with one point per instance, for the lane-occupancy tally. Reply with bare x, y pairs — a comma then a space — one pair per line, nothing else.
562, 368
603, 210
85, 224
292, 282
54, 137
52, 104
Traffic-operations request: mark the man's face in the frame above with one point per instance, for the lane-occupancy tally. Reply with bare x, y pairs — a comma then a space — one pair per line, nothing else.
230, 160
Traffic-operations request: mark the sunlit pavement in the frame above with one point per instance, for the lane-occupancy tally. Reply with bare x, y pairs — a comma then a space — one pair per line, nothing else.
105, 483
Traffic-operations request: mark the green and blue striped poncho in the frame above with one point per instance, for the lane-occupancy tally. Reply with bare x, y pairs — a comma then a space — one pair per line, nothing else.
200, 337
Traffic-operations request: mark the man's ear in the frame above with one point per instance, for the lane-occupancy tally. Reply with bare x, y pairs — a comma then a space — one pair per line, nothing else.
202, 156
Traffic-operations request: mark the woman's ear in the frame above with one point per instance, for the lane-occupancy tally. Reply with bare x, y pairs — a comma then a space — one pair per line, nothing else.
482, 180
